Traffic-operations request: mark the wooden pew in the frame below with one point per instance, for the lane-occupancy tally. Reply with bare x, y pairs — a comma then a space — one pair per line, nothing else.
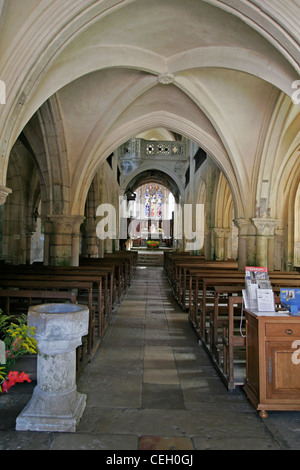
205, 285
85, 351
196, 302
205, 303
220, 313
224, 318
232, 341
177, 269
95, 284
123, 266
98, 277
52, 281
99, 273
223, 297
185, 277
204, 299
31, 295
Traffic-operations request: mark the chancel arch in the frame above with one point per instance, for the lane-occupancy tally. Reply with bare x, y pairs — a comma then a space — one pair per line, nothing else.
79, 91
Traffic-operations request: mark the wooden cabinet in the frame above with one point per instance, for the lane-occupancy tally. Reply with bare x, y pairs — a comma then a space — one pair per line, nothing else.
273, 361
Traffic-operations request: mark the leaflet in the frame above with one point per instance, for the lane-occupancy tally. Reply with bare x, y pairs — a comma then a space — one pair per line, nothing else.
265, 300
258, 294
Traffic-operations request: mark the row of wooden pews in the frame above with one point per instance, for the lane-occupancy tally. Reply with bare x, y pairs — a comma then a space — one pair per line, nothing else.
99, 283
211, 293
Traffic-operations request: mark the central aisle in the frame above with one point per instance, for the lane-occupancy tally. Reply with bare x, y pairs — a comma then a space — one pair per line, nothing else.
151, 386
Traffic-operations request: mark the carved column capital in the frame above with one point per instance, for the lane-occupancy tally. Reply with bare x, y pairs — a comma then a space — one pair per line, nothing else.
64, 234
66, 224
244, 225
265, 227
221, 232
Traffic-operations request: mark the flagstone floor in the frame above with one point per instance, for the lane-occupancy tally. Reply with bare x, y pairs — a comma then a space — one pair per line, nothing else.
152, 387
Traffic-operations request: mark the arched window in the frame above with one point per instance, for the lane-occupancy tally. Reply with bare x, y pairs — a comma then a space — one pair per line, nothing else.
153, 201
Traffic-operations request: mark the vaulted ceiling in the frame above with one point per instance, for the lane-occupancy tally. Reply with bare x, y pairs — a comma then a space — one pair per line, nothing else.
213, 71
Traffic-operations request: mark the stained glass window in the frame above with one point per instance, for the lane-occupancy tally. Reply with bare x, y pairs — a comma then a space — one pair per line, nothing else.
153, 201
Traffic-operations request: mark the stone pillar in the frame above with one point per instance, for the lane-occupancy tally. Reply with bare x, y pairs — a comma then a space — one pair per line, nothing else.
30, 229
92, 240
279, 250
108, 245
265, 229
218, 243
246, 242
101, 249
47, 234
178, 233
297, 253
75, 252
29, 233
207, 244
64, 236
221, 242
56, 405
227, 233
4, 192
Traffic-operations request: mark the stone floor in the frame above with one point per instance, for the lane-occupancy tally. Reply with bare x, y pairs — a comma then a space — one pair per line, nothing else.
152, 387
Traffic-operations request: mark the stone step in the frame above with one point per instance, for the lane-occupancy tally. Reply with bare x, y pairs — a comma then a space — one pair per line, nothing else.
150, 259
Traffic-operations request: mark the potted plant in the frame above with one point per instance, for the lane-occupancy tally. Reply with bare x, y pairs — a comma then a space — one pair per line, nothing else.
19, 341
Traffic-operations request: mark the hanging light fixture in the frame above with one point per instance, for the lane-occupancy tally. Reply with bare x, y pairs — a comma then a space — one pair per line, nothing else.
131, 196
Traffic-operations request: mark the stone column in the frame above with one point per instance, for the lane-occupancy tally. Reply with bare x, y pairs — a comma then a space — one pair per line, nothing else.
64, 239
246, 242
108, 245
47, 234
29, 233
221, 242
75, 252
4, 192
56, 405
92, 240
279, 250
207, 244
227, 233
265, 229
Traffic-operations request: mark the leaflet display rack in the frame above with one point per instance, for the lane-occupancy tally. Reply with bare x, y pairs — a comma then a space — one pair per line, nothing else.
258, 294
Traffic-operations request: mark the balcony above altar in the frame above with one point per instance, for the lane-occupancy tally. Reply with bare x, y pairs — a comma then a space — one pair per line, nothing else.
139, 154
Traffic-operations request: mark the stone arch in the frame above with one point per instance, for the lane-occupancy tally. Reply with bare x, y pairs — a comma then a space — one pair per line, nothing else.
279, 160
45, 45
274, 21
57, 166
225, 231
289, 182
224, 203
43, 136
163, 119
157, 173
17, 216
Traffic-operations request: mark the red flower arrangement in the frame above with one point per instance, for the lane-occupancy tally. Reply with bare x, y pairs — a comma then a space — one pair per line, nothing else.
13, 378
18, 340
152, 244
